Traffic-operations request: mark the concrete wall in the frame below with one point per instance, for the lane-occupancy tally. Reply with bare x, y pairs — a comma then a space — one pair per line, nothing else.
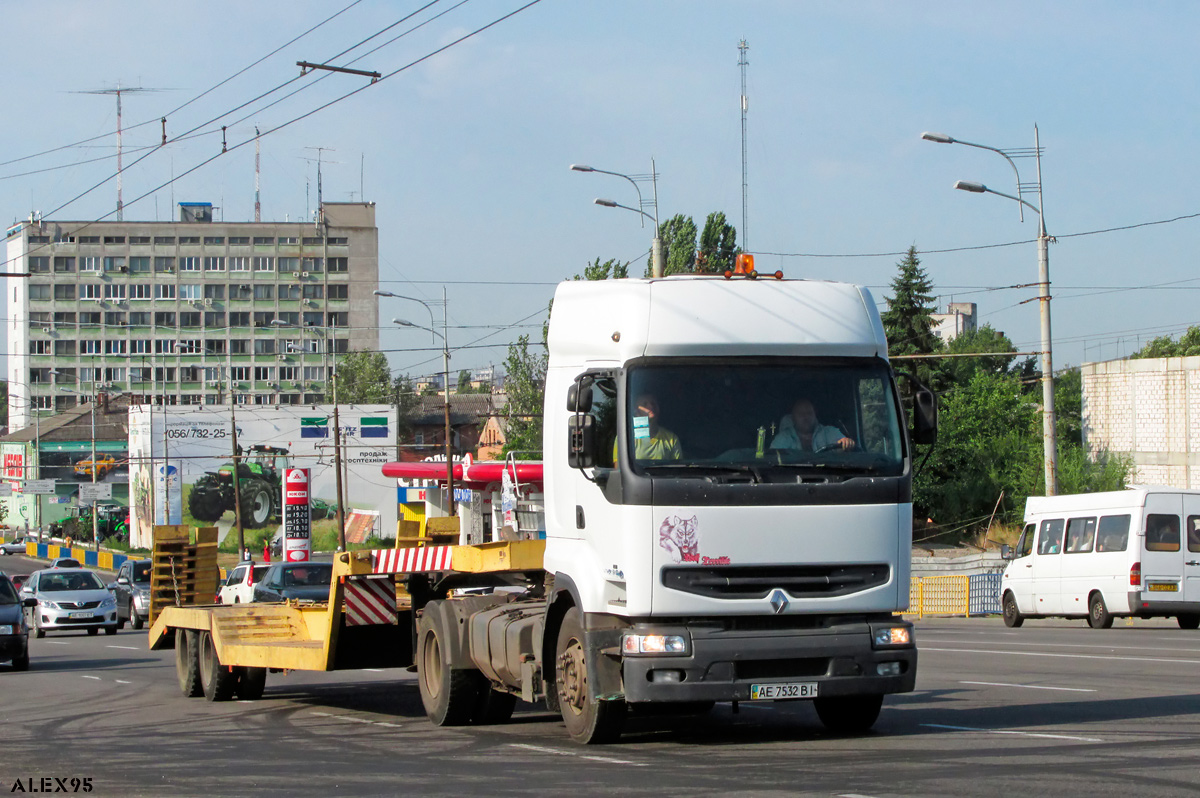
1148, 409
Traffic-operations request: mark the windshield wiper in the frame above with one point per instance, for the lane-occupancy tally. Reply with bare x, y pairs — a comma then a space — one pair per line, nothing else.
844, 467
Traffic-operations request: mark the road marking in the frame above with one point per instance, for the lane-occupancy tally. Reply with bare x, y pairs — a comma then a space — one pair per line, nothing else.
321, 714
127, 648
1061, 656
1019, 733
97, 678
121, 681
557, 752
1032, 687
57, 643
389, 725
1109, 647
374, 670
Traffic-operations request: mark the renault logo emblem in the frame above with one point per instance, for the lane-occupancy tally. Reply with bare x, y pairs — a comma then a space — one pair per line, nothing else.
779, 601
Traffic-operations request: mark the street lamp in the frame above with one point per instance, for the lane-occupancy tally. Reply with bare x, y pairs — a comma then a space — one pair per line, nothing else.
1049, 431
446, 388
656, 264
413, 299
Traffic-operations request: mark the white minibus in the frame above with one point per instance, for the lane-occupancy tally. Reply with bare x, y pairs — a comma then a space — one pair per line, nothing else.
1133, 552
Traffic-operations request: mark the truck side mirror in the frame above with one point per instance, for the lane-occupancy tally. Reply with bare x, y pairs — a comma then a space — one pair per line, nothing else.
1006, 552
924, 430
581, 441
579, 395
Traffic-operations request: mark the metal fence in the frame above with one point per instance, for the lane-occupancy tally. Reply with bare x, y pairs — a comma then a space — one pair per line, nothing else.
978, 594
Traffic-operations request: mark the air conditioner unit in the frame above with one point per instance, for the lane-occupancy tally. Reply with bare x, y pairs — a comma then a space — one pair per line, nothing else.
47, 329
123, 269
303, 274
281, 357
259, 324
208, 303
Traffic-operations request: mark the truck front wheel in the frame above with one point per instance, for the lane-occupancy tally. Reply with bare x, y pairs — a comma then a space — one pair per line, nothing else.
849, 714
450, 695
587, 720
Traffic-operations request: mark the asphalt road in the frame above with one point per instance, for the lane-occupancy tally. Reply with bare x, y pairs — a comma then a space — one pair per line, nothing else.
1052, 708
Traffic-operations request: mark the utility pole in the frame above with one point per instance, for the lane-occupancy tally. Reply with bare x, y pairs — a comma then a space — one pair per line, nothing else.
237, 477
337, 467
446, 380
257, 176
742, 64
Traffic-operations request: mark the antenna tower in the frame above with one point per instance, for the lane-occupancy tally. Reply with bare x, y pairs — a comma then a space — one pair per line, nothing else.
118, 91
742, 64
257, 174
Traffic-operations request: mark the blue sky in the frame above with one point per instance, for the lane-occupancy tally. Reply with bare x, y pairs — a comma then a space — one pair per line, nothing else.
466, 154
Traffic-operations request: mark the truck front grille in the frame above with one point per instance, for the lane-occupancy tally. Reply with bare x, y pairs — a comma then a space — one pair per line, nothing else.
757, 581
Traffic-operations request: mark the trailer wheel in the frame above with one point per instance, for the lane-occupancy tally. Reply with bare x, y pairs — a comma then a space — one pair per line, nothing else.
187, 665
1012, 614
493, 706
217, 680
450, 695
1190, 621
250, 683
587, 720
1098, 614
849, 714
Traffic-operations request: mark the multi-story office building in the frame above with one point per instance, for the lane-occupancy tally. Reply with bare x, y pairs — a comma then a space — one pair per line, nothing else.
191, 312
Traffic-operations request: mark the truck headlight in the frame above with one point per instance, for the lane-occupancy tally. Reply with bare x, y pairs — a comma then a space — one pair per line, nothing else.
654, 644
892, 636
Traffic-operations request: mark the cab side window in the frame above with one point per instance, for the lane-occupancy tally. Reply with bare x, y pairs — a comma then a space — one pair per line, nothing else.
1193, 533
1050, 537
1025, 544
1112, 533
1081, 535
1162, 532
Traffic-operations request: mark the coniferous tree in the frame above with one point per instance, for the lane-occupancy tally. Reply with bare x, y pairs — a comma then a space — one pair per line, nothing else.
908, 321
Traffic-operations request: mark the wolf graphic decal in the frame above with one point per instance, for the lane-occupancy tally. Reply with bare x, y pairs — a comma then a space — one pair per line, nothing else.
681, 538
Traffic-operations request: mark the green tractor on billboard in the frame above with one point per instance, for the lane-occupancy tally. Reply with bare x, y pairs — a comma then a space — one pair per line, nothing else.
260, 480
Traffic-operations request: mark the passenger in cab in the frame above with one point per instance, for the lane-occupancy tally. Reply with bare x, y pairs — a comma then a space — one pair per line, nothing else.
801, 430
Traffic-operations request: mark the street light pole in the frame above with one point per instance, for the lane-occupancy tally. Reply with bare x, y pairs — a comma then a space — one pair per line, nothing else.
1049, 419
656, 264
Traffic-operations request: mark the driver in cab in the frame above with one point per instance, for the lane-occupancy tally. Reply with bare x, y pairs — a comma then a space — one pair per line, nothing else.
801, 430
651, 441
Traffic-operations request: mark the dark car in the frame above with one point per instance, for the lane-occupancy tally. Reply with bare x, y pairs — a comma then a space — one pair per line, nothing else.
14, 634
304, 581
132, 591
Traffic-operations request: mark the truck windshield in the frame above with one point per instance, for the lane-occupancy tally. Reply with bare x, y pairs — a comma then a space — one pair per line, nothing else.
771, 420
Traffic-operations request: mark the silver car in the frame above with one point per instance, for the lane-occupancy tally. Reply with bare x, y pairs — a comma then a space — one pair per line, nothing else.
14, 546
70, 598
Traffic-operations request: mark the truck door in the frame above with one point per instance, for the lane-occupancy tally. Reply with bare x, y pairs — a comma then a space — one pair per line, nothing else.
1162, 547
1047, 568
1191, 561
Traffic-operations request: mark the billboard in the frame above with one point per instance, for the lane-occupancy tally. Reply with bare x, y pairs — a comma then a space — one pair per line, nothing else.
196, 446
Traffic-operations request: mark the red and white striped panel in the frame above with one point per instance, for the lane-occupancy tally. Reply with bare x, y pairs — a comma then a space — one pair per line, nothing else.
370, 601
400, 561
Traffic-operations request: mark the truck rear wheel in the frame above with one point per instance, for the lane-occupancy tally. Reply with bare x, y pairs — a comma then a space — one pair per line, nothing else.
217, 680
493, 706
187, 665
849, 714
1188, 621
587, 720
250, 683
450, 695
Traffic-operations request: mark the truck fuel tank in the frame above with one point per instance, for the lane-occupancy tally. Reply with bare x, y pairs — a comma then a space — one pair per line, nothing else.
503, 637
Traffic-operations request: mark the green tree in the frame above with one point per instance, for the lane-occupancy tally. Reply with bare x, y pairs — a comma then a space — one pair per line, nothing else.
364, 378
678, 236
525, 384
1165, 346
1068, 408
407, 402
464, 381
3, 406
602, 271
959, 370
908, 321
718, 245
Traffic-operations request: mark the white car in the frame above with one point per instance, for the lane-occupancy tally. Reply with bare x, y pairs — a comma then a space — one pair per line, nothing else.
14, 546
70, 599
239, 585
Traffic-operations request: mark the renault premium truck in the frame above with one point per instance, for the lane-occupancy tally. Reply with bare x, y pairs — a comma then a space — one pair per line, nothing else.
727, 469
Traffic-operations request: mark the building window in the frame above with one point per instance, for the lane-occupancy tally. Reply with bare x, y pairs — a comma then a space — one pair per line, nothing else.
191, 346
264, 399
164, 319
64, 348
62, 291
338, 241
189, 399
189, 319
287, 373
114, 239
239, 264
40, 347
214, 346
288, 240
312, 242
114, 291
312, 319
64, 318
90, 319
337, 265
341, 346
264, 346
264, 373
289, 265
39, 239
210, 241
165, 346
164, 264
338, 319
214, 319
89, 263
290, 317
241, 291
190, 291
339, 292
189, 264
313, 291
139, 239
263, 318
164, 241
39, 317
114, 374
264, 264
37, 292
64, 265
214, 292
289, 292
141, 291
289, 398
39, 265
215, 264
139, 346
89, 239
189, 240
264, 241
314, 373
114, 319
264, 292
91, 347
114, 347
140, 264
164, 291
239, 241
239, 373
239, 346
165, 374
115, 263
139, 319
240, 318
89, 291
312, 265
139, 374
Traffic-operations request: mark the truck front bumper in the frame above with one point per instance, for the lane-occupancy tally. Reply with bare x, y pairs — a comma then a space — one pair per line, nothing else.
726, 658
